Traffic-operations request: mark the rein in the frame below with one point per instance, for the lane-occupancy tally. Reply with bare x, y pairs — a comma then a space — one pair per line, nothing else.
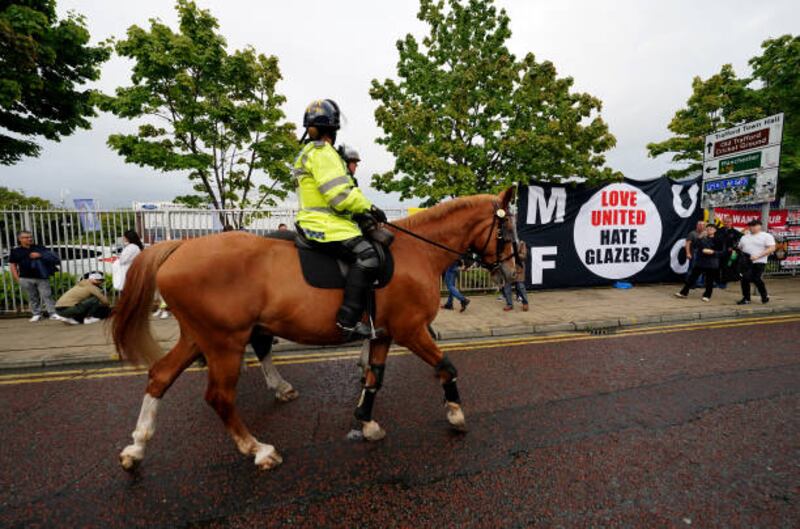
501, 241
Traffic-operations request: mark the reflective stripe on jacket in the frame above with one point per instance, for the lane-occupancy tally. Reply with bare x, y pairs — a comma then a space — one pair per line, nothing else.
328, 198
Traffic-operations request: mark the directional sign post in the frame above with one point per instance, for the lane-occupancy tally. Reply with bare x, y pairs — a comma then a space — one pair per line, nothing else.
740, 165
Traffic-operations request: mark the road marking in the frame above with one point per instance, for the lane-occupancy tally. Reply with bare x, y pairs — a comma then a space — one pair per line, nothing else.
311, 358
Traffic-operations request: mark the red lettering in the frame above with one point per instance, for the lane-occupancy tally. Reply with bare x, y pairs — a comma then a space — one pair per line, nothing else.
596, 218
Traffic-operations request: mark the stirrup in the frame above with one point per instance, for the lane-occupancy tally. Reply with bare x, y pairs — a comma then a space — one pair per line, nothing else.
359, 331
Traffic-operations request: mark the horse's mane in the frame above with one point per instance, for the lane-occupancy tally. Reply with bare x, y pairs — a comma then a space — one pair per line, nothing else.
439, 211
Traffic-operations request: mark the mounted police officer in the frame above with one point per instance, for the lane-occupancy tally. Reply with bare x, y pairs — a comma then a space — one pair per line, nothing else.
328, 201
351, 159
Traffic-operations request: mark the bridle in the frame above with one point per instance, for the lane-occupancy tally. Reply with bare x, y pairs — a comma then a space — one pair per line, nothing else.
498, 229
500, 221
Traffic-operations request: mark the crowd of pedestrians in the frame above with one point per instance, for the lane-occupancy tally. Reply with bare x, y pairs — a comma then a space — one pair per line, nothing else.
719, 256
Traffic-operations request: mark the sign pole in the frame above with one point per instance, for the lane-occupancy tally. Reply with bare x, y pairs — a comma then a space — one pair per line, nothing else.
765, 215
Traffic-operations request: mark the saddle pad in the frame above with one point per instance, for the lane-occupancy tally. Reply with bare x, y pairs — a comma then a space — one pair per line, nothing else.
323, 271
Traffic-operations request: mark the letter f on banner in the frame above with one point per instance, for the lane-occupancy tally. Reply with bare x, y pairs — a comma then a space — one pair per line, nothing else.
537, 202
538, 263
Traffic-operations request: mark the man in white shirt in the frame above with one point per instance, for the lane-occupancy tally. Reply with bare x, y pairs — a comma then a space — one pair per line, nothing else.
757, 246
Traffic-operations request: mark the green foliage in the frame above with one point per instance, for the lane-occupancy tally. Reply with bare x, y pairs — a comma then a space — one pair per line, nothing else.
209, 113
43, 62
191, 201
467, 117
10, 199
725, 100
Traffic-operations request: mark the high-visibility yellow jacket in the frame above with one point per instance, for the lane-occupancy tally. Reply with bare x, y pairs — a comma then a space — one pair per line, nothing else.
327, 195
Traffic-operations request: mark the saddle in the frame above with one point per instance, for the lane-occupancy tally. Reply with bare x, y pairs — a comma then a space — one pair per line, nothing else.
321, 270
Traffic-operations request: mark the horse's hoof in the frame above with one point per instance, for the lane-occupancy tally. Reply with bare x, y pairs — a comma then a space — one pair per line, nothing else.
455, 416
372, 431
286, 394
267, 457
130, 457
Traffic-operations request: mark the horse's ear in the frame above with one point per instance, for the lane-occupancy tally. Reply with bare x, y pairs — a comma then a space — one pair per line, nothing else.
506, 197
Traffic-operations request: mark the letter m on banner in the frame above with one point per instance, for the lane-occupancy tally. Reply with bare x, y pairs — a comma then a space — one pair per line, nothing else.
541, 209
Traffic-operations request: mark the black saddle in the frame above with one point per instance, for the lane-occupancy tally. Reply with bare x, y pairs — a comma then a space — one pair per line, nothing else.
321, 270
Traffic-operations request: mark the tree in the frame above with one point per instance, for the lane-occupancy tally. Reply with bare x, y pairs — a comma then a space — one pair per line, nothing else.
43, 62
212, 114
10, 199
778, 70
720, 102
467, 117
725, 100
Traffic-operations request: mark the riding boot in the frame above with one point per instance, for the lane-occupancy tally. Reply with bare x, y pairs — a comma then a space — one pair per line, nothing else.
348, 319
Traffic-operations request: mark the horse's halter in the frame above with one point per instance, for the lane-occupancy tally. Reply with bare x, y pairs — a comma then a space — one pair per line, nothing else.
500, 221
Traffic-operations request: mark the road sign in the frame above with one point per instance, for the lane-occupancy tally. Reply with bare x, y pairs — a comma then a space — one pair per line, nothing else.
740, 164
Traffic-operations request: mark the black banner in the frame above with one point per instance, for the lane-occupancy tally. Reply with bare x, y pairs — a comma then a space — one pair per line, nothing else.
633, 230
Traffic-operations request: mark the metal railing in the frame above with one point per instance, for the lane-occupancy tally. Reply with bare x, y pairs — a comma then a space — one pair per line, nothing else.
91, 240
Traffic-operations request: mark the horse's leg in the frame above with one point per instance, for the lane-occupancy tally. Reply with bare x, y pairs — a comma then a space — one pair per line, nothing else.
162, 374
422, 344
223, 373
372, 382
262, 346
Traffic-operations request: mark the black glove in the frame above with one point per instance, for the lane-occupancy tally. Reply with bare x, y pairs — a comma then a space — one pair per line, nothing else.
377, 213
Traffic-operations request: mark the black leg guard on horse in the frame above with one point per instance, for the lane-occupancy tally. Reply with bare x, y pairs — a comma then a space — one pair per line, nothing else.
367, 401
449, 386
261, 343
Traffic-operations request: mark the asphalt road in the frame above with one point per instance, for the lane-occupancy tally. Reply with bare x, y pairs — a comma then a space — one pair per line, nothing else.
694, 425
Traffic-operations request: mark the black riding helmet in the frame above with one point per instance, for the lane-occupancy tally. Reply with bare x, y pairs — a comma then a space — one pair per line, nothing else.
323, 114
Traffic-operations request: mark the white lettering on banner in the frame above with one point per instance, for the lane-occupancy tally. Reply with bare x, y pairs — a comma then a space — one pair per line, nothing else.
617, 231
538, 203
674, 262
538, 264
677, 203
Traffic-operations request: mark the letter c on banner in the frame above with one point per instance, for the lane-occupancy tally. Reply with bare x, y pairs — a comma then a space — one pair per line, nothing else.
677, 203
674, 263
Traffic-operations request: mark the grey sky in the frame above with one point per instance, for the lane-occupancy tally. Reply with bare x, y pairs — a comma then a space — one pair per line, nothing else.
638, 57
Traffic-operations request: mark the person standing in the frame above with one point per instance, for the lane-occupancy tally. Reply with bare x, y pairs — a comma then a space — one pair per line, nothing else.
517, 282
31, 267
730, 237
85, 302
756, 247
691, 246
710, 249
450, 278
132, 246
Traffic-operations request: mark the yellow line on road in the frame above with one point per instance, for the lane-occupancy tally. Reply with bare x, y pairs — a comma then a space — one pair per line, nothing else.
310, 358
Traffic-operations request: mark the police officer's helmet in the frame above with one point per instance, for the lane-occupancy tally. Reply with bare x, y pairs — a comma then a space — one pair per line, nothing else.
349, 154
322, 113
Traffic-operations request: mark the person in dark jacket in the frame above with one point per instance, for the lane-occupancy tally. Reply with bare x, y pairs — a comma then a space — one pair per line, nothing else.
710, 250
730, 236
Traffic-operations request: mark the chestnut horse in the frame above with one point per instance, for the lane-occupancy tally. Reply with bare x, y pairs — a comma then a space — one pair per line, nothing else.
221, 287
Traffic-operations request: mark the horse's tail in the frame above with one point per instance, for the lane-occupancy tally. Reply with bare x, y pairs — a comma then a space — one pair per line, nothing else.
130, 327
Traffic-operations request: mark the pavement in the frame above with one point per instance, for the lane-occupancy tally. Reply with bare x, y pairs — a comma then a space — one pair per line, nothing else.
689, 425
46, 344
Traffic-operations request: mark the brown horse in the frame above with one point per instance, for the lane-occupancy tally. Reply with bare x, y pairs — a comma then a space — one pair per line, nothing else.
222, 287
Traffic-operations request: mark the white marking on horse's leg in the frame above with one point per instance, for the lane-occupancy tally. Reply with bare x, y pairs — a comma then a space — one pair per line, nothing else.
145, 428
455, 416
284, 391
372, 431
266, 456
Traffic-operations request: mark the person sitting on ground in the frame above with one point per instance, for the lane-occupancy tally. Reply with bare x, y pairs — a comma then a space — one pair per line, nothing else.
709, 250
517, 282
450, 277
756, 247
85, 302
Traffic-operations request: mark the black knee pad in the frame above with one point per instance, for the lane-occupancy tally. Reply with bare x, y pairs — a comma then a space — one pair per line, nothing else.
447, 366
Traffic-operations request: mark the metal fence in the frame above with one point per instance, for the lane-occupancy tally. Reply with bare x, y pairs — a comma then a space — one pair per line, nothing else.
91, 240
